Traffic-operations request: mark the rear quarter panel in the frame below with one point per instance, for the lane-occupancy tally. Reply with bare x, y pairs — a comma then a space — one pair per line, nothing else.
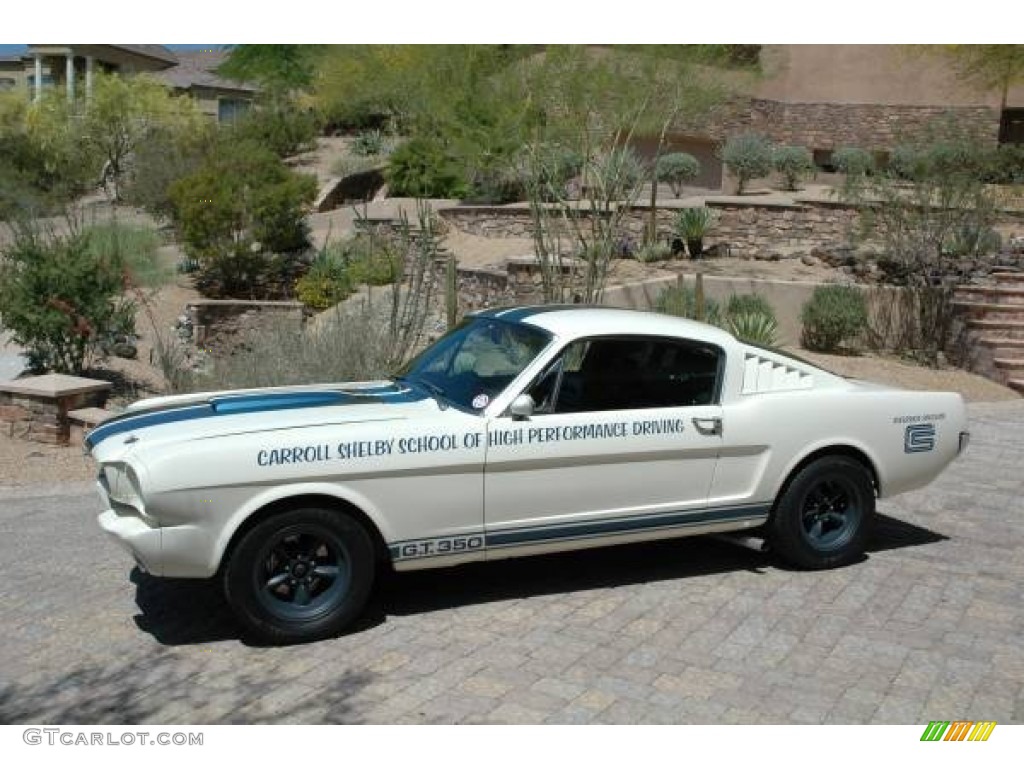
909, 437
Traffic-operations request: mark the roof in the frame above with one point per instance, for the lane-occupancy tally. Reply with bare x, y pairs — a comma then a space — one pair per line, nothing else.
158, 52
185, 77
577, 320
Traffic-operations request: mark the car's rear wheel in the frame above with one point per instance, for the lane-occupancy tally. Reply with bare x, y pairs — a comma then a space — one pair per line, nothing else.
304, 574
823, 517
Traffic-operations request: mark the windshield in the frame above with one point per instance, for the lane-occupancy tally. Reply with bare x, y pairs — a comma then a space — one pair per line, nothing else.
476, 360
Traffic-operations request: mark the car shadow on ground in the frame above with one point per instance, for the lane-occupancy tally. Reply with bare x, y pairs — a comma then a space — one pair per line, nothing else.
187, 611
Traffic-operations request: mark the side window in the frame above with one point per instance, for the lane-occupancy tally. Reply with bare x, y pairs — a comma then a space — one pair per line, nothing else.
609, 374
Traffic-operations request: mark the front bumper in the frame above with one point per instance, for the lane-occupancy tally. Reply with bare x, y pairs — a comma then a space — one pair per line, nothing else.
142, 541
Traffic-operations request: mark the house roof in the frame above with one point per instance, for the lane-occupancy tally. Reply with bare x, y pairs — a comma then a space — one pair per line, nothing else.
190, 74
158, 52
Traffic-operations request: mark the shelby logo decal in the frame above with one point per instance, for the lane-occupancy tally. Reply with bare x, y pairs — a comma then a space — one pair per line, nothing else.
918, 438
960, 730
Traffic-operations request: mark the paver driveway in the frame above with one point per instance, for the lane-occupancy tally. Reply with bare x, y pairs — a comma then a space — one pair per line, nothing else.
929, 626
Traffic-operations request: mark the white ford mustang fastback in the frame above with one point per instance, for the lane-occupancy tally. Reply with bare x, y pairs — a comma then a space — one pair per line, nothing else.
521, 431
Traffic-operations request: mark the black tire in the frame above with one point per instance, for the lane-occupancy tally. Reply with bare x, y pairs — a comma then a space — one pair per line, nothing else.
300, 575
824, 515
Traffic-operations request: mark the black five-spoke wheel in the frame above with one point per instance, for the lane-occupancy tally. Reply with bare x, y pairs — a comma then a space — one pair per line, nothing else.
823, 517
300, 575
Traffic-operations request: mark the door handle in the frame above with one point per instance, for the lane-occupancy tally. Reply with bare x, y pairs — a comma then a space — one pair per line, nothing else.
712, 426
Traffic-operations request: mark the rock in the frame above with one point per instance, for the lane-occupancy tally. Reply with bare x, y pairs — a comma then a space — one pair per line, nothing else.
124, 350
809, 260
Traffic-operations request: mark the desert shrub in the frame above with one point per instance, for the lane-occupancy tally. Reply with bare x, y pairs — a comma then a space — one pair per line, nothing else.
423, 167
853, 161
1006, 165
327, 282
749, 303
368, 143
677, 168
833, 316
240, 204
681, 301
751, 317
794, 163
495, 185
653, 252
747, 156
972, 240
160, 161
283, 127
137, 249
61, 299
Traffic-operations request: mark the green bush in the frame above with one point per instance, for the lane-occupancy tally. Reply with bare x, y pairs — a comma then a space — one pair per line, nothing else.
241, 203
749, 303
157, 163
1006, 165
326, 283
794, 163
681, 301
135, 246
368, 143
692, 224
677, 168
62, 300
853, 161
747, 156
654, 252
282, 127
422, 167
833, 316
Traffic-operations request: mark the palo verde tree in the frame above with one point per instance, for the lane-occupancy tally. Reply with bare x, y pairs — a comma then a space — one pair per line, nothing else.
993, 68
122, 113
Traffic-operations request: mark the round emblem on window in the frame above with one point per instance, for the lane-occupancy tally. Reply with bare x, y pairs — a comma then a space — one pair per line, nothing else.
481, 401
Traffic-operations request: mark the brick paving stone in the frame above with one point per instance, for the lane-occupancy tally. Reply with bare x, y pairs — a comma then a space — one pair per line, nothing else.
928, 626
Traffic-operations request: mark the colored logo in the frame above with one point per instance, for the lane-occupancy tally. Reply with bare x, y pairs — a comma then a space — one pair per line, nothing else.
959, 730
918, 438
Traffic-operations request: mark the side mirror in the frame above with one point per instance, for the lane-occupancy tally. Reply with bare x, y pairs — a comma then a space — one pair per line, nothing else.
521, 408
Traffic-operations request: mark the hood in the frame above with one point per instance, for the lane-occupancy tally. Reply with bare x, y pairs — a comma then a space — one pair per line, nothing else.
210, 413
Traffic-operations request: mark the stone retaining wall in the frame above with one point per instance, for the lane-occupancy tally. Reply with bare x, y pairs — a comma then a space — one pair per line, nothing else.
216, 322
36, 408
829, 126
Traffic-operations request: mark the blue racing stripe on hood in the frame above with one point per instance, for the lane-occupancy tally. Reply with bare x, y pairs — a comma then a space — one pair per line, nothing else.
256, 402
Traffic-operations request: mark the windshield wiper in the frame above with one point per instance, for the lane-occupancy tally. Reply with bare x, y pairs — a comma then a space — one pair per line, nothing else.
435, 391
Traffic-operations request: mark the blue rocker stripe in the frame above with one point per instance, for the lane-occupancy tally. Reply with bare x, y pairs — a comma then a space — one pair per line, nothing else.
625, 525
557, 532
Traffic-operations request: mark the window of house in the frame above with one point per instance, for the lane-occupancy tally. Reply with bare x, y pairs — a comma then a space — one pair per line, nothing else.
621, 373
7, 83
230, 110
47, 80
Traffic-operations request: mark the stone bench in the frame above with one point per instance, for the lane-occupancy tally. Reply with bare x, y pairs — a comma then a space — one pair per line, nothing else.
38, 407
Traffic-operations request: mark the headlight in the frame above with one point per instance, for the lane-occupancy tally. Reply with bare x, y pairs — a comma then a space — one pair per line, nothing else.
122, 485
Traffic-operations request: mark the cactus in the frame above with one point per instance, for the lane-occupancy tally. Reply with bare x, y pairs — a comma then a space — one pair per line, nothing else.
451, 293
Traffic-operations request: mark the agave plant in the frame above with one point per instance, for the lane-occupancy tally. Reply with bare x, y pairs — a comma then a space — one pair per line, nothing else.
691, 225
754, 327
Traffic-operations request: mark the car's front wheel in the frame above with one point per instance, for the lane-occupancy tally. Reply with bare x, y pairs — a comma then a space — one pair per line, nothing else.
823, 517
300, 575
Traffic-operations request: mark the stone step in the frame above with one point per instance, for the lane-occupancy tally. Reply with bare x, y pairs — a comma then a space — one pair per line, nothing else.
995, 341
82, 420
987, 311
1008, 277
993, 294
1017, 384
1009, 363
1001, 329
